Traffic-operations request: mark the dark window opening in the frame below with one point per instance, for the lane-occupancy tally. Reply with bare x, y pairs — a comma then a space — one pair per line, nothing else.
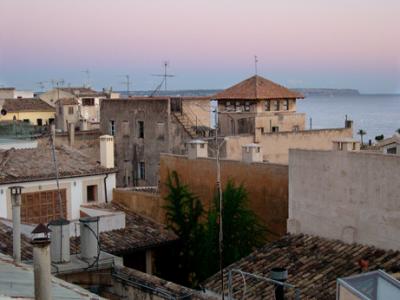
141, 129
88, 102
392, 150
91, 193
112, 127
71, 110
141, 170
39, 122
275, 129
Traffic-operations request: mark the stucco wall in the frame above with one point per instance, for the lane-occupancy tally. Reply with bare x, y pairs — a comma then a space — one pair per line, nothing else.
275, 146
32, 116
75, 192
198, 108
345, 195
267, 184
148, 204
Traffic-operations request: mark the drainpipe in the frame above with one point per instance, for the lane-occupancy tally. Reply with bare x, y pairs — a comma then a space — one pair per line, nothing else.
105, 187
16, 218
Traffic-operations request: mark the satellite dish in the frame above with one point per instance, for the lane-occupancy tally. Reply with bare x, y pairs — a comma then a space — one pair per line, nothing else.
3, 112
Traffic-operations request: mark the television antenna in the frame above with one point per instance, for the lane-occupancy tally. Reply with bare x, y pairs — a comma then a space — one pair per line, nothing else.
87, 83
57, 82
128, 83
41, 85
165, 75
255, 63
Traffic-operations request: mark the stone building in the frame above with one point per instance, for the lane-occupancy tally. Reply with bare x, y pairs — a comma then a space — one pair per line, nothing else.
144, 127
258, 104
67, 112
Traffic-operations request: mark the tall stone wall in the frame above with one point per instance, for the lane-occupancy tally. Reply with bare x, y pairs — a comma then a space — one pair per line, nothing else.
267, 184
349, 196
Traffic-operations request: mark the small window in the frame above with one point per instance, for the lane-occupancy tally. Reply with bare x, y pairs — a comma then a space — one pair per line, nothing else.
267, 105
125, 128
276, 105
354, 146
275, 129
141, 170
202, 146
296, 128
141, 129
112, 127
91, 193
39, 122
285, 104
70, 110
247, 106
26, 121
88, 101
392, 150
257, 149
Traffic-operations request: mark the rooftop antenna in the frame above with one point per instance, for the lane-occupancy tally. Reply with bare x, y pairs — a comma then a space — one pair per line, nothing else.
165, 75
87, 83
57, 82
255, 63
128, 83
41, 85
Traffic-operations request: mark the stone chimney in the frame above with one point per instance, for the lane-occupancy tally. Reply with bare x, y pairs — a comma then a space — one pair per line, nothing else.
16, 218
252, 153
197, 149
107, 151
41, 262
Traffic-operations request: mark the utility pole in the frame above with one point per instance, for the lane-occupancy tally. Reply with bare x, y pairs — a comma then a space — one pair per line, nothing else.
128, 84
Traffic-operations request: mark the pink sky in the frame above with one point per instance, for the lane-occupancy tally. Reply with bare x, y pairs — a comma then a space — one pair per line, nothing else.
210, 43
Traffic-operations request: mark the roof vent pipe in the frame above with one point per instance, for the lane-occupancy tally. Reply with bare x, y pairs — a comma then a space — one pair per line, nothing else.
59, 248
89, 228
279, 274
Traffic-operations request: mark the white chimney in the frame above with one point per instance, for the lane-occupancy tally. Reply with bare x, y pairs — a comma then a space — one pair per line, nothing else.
107, 151
252, 153
197, 149
59, 248
89, 229
41, 262
346, 145
16, 218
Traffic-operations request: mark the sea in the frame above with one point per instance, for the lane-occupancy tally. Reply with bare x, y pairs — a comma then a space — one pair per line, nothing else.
375, 114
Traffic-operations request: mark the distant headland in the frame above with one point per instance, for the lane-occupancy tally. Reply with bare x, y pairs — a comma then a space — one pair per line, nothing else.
327, 92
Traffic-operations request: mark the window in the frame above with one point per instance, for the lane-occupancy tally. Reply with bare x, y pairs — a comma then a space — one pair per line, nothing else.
141, 129
275, 129
91, 193
26, 121
88, 101
70, 110
141, 170
125, 128
112, 127
296, 128
354, 146
276, 105
267, 105
392, 150
39, 122
285, 104
160, 131
247, 106
202, 146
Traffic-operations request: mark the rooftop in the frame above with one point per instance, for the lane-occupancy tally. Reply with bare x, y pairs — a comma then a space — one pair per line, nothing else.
26, 104
17, 281
22, 165
395, 139
256, 88
67, 101
313, 265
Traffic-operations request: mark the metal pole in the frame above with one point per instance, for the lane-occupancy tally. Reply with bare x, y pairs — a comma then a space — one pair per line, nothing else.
57, 176
230, 285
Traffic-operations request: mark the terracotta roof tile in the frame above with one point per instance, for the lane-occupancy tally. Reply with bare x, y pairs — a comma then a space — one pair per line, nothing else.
21, 165
26, 104
256, 87
313, 265
67, 101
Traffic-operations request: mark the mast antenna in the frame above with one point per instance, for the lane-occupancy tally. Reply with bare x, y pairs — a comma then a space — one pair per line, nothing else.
87, 83
255, 63
165, 75
128, 84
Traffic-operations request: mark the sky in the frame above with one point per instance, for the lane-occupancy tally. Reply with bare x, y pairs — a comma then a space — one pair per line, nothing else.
209, 44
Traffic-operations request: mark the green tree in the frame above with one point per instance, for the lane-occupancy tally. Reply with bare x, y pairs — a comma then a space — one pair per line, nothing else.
242, 230
379, 137
183, 213
361, 133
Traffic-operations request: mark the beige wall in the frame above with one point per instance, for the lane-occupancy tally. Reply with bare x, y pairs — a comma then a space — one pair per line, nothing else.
351, 196
148, 204
32, 116
53, 95
284, 121
275, 146
266, 184
198, 108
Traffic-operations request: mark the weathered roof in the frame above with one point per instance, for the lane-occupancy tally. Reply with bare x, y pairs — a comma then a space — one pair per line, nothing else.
256, 87
22, 165
7, 88
67, 101
6, 243
395, 139
26, 104
139, 233
17, 281
313, 265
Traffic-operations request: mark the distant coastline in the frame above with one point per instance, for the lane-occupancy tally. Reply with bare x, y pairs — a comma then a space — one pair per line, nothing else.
327, 92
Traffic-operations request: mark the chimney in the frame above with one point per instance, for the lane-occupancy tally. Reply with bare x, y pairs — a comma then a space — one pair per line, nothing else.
59, 247
107, 151
41, 262
71, 134
281, 275
252, 153
197, 149
348, 124
84, 125
89, 228
16, 218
